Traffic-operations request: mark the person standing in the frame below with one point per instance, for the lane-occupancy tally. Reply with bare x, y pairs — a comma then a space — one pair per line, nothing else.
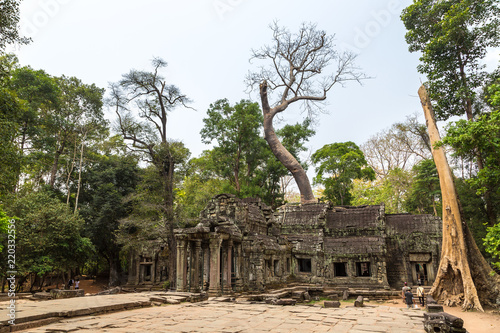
409, 299
77, 283
405, 288
421, 294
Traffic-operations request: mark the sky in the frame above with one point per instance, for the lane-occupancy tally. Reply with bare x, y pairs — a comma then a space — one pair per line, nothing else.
207, 45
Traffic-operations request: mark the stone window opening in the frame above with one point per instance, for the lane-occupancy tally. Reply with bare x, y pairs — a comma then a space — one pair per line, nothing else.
305, 265
340, 269
363, 269
277, 268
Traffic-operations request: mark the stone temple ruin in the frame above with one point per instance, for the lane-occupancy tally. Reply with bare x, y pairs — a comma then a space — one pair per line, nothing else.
243, 245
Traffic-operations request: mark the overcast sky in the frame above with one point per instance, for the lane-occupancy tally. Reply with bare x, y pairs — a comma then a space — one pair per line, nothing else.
207, 44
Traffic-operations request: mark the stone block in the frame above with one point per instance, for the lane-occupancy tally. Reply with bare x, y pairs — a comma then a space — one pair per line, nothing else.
332, 304
59, 293
333, 297
345, 295
358, 302
286, 301
434, 308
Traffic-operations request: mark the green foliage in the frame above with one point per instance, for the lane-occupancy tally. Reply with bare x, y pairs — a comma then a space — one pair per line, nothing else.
483, 134
48, 234
241, 163
492, 243
236, 131
453, 36
9, 24
391, 190
106, 182
4, 224
425, 190
339, 165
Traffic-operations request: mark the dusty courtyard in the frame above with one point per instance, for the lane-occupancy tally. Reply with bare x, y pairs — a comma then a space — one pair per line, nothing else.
215, 316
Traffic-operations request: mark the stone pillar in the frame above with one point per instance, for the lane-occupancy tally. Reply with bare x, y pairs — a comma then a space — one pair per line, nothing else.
206, 264
195, 269
227, 268
237, 267
215, 243
181, 264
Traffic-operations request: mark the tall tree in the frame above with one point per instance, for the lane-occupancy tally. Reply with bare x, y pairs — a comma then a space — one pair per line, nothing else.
339, 164
424, 196
454, 36
9, 24
107, 181
463, 275
142, 101
295, 73
237, 133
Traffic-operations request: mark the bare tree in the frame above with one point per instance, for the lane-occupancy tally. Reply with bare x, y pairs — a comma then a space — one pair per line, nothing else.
401, 146
298, 69
142, 101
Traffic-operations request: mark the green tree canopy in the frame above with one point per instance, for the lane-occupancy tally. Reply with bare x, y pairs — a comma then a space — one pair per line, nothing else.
9, 24
48, 235
338, 165
425, 192
453, 36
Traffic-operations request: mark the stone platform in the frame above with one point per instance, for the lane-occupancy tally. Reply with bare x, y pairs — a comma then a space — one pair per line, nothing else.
205, 316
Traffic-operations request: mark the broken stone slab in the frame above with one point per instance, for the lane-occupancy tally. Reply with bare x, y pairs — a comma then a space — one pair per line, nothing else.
221, 299
333, 297
434, 308
332, 304
358, 302
158, 299
438, 325
345, 295
60, 293
43, 295
307, 297
111, 291
451, 320
286, 301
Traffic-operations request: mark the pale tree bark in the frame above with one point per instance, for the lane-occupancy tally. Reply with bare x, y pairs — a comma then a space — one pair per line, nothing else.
282, 154
297, 71
464, 277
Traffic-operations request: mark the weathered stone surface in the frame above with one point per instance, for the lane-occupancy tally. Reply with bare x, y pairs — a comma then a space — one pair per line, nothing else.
317, 244
358, 302
60, 293
451, 320
43, 295
332, 304
434, 308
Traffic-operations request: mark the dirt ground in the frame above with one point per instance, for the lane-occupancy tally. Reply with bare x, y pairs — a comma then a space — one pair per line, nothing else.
474, 321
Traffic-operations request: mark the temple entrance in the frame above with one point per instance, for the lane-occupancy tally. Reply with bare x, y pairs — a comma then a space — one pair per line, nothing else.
421, 269
145, 272
421, 274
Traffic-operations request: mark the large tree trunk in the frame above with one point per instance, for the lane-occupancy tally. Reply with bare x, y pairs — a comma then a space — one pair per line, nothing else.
281, 153
464, 277
114, 270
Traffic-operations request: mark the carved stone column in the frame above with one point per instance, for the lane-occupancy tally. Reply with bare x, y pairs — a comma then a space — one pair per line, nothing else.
227, 268
215, 243
206, 264
238, 258
195, 269
181, 264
